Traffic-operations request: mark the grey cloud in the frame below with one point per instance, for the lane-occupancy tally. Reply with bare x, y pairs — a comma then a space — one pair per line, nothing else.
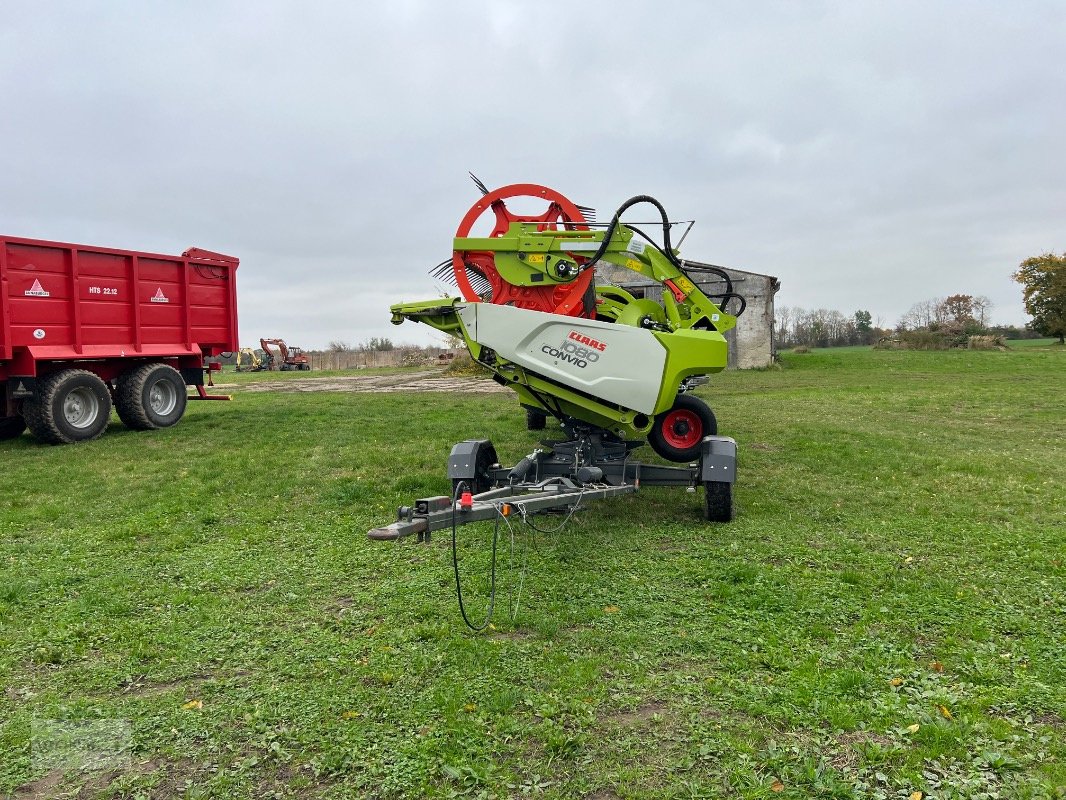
870, 155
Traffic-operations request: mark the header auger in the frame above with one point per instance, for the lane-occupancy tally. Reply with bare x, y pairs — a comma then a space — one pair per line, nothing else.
612, 367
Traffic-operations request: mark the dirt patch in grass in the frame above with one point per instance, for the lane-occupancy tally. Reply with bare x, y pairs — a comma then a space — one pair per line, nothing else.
41, 789
173, 782
425, 381
850, 747
254, 589
1049, 718
517, 635
84, 787
640, 715
17, 695
671, 545
288, 782
142, 687
342, 603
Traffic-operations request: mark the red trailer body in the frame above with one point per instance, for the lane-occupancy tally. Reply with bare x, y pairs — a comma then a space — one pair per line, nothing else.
137, 322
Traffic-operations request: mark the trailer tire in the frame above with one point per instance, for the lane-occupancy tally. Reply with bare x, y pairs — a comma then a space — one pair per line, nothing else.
677, 434
72, 405
535, 420
151, 396
11, 427
718, 501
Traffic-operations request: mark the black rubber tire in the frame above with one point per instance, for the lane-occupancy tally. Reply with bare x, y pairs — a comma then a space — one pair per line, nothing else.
718, 501
535, 420
688, 411
46, 413
139, 408
305, 367
11, 427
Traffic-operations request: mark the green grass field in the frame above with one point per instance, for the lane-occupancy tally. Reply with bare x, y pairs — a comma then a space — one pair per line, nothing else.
887, 614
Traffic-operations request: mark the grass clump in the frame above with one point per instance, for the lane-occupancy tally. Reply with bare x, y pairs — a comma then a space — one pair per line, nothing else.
986, 343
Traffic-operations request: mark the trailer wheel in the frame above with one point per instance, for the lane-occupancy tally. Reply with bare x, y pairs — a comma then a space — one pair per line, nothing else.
718, 501
676, 434
151, 396
10, 427
72, 405
535, 420
484, 460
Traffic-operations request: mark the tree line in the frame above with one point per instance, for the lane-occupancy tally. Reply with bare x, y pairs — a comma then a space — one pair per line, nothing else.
823, 327
946, 321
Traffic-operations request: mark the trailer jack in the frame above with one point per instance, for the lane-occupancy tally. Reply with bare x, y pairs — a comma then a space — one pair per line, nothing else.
201, 392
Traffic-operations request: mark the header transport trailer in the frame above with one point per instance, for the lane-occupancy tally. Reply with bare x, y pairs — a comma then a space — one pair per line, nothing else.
86, 328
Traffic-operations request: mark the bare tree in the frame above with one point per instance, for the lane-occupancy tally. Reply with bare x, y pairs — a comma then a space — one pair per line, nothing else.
921, 315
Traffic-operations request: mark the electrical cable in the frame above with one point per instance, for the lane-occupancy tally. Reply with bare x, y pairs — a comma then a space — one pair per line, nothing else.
513, 604
563, 524
460, 487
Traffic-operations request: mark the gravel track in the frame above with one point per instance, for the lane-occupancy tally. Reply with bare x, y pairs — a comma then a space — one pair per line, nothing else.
423, 381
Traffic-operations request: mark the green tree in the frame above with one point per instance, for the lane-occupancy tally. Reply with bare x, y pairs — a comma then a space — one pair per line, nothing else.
1043, 280
864, 324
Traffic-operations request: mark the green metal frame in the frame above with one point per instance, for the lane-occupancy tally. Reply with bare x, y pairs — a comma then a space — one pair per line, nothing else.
687, 323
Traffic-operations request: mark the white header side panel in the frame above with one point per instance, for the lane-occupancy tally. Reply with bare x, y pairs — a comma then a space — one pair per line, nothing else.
618, 363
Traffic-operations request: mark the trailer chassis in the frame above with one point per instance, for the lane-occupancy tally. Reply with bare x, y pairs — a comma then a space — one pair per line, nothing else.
590, 465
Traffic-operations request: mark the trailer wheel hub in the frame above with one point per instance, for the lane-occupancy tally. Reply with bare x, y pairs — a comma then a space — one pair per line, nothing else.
81, 408
682, 428
162, 397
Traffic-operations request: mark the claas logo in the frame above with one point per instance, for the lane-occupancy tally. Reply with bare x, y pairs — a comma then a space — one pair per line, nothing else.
587, 341
576, 349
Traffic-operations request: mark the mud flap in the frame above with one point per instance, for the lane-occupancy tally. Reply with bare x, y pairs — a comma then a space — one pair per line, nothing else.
469, 461
718, 461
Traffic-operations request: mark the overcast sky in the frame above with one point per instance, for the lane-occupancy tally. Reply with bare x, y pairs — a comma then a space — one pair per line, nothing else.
869, 155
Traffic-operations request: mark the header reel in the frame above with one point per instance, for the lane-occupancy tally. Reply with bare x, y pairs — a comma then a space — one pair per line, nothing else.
475, 271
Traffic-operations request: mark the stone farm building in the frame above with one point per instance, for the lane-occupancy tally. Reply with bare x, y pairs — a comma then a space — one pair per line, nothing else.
751, 343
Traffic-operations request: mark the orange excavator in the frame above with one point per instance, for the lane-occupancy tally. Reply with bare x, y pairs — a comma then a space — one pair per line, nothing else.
287, 358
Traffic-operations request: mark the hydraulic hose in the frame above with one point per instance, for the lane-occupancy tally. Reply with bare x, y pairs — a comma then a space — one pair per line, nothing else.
666, 249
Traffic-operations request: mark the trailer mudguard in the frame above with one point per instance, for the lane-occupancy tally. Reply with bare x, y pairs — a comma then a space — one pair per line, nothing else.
469, 461
718, 461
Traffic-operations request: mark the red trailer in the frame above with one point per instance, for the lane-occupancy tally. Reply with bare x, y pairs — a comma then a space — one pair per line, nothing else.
86, 328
